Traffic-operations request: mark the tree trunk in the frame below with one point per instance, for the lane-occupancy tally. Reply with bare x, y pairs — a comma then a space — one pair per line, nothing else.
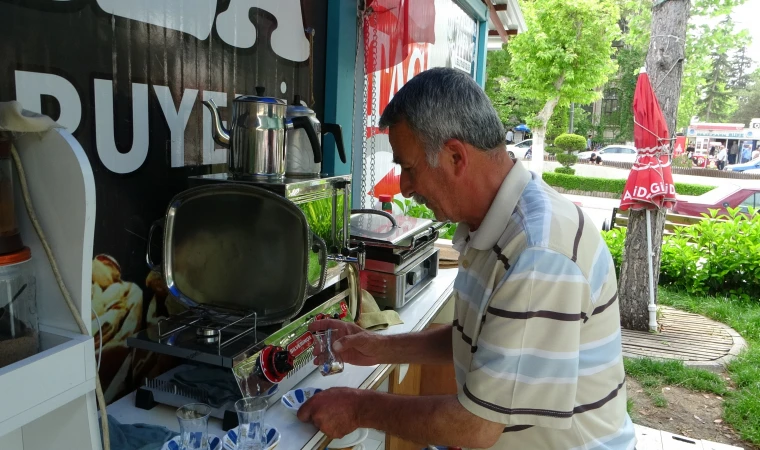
665, 68
537, 161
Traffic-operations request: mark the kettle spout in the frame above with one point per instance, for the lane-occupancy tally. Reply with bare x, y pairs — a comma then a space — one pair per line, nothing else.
220, 134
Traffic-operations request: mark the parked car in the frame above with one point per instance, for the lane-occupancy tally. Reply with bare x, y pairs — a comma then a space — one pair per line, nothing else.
749, 165
518, 151
617, 153
720, 198
752, 172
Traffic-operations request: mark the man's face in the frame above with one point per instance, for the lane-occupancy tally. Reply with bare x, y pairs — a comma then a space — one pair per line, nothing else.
427, 185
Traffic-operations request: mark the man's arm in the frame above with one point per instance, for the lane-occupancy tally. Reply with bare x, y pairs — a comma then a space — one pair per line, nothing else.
439, 420
364, 348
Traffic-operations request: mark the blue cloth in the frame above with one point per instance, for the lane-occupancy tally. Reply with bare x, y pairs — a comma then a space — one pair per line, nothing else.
746, 154
137, 436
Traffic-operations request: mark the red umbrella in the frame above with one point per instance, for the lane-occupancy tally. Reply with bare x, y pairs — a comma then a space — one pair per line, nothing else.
650, 183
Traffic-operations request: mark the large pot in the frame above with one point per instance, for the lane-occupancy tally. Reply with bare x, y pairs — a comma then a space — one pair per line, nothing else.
238, 247
256, 139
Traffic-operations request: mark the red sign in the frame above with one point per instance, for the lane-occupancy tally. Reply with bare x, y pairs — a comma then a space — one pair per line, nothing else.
390, 81
301, 344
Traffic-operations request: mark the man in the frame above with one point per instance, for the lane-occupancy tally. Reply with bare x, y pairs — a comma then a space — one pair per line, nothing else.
746, 154
755, 154
589, 143
510, 137
536, 336
596, 159
733, 153
720, 160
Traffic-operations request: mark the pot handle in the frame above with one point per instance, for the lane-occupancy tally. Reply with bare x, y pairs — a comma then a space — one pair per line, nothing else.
305, 123
321, 248
153, 227
337, 132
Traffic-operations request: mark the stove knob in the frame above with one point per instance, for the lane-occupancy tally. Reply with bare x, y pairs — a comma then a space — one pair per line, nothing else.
336, 316
411, 278
283, 362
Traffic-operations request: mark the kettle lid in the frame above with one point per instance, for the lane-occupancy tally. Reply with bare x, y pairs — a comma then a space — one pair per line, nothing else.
297, 109
260, 98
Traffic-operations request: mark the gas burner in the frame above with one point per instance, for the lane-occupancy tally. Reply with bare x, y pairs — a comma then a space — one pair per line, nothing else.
207, 335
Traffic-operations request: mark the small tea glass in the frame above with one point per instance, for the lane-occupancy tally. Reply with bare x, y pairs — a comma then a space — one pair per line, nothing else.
193, 426
329, 363
251, 432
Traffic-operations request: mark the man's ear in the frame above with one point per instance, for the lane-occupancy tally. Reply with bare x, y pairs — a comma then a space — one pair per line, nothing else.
457, 154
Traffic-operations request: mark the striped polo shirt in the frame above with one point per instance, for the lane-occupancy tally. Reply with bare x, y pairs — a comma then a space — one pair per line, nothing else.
537, 325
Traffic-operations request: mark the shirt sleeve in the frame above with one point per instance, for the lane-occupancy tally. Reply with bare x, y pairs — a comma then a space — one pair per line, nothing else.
525, 364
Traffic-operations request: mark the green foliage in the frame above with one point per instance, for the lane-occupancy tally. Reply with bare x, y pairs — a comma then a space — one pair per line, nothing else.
570, 142
742, 407
564, 55
748, 100
712, 257
612, 185
319, 216
411, 208
656, 374
564, 170
715, 256
682, 161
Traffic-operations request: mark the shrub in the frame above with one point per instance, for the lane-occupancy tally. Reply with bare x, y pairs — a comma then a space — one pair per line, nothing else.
565, 170
568, 143
682, 161
612, 185
711, 257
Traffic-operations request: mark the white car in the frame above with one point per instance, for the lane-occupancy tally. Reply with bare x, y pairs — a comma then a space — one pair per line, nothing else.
617, 153
517, 151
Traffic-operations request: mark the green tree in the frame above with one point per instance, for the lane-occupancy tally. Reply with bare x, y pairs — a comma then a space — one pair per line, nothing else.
563, 57
748, 100
568, 143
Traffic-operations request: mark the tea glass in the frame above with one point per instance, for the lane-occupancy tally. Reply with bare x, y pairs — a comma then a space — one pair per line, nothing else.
251, 432
193, 426
329, 363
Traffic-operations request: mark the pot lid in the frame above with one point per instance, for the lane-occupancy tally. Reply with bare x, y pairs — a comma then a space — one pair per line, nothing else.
372, 227
238, 247
257, 99
296, 109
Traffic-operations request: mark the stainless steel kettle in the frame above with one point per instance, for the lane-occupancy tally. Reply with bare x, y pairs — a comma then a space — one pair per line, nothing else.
256, 139
300, 162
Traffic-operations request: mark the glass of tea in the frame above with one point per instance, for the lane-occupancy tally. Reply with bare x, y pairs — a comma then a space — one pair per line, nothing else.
193, 426
328, 362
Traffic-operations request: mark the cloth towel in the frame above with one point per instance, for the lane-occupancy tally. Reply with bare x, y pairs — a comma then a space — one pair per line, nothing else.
217, 384
137, 436
15, 119
372, 318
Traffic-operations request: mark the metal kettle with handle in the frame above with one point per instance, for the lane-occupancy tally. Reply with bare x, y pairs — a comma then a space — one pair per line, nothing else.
300, 162
256, 139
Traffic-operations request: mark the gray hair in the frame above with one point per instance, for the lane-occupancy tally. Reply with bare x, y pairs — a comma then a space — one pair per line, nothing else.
441, 104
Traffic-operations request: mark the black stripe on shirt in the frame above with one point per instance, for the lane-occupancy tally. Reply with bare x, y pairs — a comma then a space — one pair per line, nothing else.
465, 338
577, 241
501, 257
564, 317
601, 308
545, 412
514, 428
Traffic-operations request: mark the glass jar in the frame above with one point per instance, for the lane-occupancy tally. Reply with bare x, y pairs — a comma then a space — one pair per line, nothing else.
10, 239
19, 326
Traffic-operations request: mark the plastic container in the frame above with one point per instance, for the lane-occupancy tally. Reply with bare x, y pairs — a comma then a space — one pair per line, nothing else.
386, 203
10, 239
19, 325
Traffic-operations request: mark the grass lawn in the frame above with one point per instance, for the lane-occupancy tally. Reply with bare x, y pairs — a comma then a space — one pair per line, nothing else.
742, 407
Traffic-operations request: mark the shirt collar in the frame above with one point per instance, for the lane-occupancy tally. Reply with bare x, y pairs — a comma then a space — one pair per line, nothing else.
501, 209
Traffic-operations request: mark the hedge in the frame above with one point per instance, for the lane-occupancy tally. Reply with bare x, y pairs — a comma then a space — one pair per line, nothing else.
612, 185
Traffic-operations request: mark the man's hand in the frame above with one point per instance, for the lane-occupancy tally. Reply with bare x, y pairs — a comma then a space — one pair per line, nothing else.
353, 344
334, 411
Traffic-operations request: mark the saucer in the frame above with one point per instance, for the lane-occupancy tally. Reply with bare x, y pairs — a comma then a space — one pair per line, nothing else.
214, 443
293, 400
230, 439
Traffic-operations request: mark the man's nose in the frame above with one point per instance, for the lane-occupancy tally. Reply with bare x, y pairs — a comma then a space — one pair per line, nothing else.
406, 185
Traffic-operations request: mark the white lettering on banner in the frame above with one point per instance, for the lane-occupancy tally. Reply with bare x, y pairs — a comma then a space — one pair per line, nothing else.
31, 86
176, 119
112, 158
211, 153
195, 17
640, 192
288, 39
234, 26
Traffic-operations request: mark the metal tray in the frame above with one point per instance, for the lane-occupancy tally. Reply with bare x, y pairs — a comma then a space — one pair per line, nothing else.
238, 247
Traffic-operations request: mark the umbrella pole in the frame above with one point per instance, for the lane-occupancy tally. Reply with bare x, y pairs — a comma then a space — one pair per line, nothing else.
652, 308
